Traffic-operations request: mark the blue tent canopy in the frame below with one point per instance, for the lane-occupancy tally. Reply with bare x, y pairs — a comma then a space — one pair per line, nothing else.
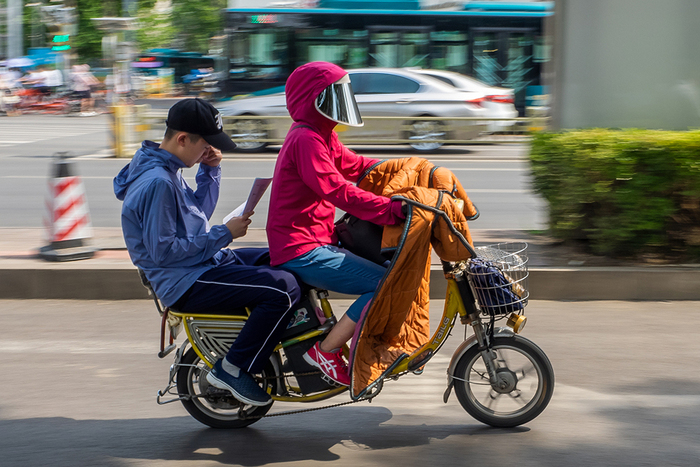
44, 56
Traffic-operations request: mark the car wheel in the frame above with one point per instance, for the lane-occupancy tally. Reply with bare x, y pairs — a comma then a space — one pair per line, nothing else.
251, 130
424, 133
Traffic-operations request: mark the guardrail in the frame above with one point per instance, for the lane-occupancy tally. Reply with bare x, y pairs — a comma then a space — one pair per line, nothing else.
132, 124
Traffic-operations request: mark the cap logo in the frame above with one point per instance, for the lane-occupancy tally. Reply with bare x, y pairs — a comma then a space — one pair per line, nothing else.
219, 121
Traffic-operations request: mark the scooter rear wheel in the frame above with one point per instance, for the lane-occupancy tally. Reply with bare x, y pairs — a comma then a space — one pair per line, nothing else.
525, 383
211, 406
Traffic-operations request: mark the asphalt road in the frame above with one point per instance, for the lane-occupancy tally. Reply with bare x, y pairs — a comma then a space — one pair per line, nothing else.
80, 379
496, 177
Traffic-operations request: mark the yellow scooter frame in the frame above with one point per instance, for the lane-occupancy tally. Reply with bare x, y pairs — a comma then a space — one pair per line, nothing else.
453, 307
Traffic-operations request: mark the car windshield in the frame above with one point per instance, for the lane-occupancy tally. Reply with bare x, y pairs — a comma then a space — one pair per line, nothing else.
444, 79
458, 81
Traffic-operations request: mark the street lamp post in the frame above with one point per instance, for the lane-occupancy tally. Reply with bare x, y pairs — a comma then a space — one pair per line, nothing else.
14, 29
123, 54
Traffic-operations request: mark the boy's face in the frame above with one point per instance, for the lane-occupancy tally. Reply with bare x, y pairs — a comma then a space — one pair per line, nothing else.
193, 152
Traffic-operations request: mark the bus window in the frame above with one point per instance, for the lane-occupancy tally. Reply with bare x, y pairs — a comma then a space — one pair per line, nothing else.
399, 49
518, 69
259, 54
345, 48
486, 66
542, 49
450, 51
414, 50
358, 53
327, 53
384, 49
261, 49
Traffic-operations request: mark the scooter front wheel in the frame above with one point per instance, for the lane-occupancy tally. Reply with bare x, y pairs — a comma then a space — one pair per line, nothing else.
523, 390
215, 407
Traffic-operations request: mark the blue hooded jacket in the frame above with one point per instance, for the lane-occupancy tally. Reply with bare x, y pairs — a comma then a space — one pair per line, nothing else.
165, 223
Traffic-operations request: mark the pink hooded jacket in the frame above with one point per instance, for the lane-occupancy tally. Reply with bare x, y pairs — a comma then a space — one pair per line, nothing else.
314, 174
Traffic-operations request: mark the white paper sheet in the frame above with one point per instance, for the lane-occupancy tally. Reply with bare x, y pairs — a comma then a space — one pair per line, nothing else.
256, 193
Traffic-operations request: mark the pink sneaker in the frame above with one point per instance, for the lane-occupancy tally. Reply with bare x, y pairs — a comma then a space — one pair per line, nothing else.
330, 363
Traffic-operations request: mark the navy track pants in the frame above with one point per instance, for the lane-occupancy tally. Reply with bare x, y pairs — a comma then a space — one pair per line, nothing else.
239, 282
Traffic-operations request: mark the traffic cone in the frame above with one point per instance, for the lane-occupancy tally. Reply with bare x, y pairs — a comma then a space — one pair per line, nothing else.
68, 218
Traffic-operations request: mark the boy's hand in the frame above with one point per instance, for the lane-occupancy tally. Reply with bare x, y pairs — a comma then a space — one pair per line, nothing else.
211, 157
238, 226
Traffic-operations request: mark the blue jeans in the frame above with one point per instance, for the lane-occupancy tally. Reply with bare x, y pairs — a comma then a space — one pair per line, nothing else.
332, 268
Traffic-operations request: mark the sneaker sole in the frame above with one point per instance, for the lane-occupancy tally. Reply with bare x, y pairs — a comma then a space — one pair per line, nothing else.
313, 363
217, 383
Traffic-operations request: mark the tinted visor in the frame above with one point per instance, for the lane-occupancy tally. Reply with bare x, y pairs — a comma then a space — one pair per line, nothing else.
337, 102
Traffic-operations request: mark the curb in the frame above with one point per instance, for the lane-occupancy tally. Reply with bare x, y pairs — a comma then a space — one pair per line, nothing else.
112, 282
622, 283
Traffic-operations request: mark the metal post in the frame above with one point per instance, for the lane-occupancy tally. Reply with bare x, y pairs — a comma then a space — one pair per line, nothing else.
15, 47
555, 74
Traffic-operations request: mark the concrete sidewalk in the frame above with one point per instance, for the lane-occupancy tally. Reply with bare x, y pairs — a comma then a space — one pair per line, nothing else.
556, 273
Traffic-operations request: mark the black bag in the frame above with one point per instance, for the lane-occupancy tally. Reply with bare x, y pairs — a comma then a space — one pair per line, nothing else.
363, 238
303, 319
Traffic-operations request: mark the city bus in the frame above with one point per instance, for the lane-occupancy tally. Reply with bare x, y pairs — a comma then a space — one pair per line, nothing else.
498, 43
164, 71
182, 63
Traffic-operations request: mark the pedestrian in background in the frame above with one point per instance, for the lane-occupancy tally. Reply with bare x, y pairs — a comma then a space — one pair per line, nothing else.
53, 80
82, 81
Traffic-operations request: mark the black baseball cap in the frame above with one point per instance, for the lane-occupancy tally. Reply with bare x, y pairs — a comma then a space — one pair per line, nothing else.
199, 117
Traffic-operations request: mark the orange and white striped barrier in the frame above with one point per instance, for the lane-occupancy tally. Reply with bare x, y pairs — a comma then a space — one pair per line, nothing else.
68, 218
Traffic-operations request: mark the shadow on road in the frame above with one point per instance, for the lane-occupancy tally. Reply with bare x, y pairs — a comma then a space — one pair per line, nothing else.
64, 441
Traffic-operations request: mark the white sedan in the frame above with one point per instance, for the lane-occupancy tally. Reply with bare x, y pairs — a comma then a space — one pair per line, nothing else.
380, 92
499, 102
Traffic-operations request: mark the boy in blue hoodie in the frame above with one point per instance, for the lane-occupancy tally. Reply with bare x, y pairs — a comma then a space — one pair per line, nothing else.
167, 232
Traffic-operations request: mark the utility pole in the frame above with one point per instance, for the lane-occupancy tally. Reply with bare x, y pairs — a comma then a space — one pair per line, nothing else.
36, 37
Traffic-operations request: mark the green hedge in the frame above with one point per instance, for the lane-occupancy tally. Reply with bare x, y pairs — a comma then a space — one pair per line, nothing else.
626, 193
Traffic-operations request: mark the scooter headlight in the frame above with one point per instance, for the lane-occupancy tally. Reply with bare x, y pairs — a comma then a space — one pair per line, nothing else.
516, 322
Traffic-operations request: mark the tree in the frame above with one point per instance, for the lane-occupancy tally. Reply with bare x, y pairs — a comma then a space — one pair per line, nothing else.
183, 24
88, 41
155, 24
196, 22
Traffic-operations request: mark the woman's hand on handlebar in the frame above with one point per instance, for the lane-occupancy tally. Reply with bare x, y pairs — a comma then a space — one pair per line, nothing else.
397, 210
238, 226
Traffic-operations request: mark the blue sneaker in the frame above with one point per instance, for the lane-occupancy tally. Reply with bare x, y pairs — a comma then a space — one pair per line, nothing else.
244, 387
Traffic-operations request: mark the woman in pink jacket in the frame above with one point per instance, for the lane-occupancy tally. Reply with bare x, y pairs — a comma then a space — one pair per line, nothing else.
314, 174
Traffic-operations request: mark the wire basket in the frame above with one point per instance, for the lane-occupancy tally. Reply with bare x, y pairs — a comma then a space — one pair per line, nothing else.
499, 277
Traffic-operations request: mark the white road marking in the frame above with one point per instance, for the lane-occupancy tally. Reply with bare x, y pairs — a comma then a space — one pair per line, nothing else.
580, 399
77, 347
